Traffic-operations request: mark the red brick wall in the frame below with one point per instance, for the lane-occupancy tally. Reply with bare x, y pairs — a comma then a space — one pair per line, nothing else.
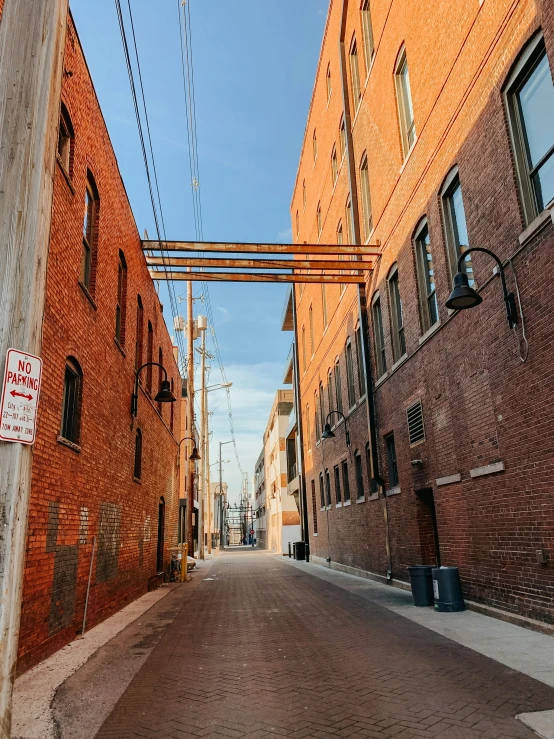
481, 404
80, 494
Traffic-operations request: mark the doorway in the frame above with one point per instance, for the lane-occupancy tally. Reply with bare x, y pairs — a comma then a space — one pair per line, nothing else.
427, 526
161, 535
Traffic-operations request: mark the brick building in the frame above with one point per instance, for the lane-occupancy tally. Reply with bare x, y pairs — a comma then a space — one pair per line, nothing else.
104, 484
430, 132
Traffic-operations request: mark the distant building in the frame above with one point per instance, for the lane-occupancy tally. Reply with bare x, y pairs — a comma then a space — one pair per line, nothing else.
279, 523
260, 526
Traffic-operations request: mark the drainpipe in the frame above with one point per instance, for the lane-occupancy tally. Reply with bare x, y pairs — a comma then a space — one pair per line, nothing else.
362, 300
304, 531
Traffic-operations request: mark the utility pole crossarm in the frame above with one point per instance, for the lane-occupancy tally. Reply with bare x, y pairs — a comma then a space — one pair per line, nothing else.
271, 249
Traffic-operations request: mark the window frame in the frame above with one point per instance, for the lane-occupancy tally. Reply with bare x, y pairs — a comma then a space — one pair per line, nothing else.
90, 235
334, 165
321, 491
338, 492
359, 470
314, 145
347, 498
361, 362
521, 73
70, 427
355, 80
350, 383
328, 82
367, 34
121, 305
65, 149
426, 296
342, 137
338, 385
367, 215
316, 413
392, 460
405, 103
322, 407
397, 328
328, 498
451, 232
137, 467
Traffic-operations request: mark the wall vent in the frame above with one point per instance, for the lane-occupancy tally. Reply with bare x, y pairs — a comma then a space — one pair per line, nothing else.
416, 429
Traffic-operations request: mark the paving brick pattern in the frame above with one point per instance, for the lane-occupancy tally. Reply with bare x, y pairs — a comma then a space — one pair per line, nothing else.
264, 650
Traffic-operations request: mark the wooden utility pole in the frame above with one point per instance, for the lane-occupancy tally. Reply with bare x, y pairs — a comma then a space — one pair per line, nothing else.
202, 493
32, 40
190, 393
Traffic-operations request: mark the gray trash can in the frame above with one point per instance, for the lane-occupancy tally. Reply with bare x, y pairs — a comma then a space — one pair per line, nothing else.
421, 579
447, 590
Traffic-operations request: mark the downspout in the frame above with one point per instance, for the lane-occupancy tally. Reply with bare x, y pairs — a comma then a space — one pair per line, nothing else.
362, 300
304, 530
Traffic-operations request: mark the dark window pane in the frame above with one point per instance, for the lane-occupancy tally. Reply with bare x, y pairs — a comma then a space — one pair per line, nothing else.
71, 402
359, 475
345, 483
536, 99
338, 497
391, 461
321, 491
459, 229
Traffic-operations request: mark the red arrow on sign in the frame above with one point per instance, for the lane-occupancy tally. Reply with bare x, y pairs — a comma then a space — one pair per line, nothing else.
20, 395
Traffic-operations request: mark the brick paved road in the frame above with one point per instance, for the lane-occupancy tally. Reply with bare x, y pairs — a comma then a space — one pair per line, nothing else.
264, 650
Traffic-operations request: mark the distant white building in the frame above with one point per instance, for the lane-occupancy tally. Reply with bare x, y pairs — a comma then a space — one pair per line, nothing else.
277, 518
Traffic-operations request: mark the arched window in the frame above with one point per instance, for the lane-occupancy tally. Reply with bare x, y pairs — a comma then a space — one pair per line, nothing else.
328, 82
334, 165
314, 145
342, 137
321, 406
328, 487
72, 401
338, 385
378, 335
359, 475
425, 270
367, 218
66, 142
121, 307
404, 99
397, 316
90, 235
308, 428
348, 221
316, 414
149, 357
139, 334
355, 74
137, 470
456, 236
368, 35
350, 375
319, 223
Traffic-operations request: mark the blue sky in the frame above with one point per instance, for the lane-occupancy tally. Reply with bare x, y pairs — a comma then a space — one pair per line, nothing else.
254, 67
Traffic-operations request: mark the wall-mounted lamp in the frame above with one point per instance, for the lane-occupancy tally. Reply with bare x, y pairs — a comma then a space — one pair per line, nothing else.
195, 456
328, 433
463, 296
164, 395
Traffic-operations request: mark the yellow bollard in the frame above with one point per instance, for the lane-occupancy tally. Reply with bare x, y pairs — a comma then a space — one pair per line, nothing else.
184, 561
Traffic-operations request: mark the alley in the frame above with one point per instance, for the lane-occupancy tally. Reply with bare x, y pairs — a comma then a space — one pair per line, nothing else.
264, 649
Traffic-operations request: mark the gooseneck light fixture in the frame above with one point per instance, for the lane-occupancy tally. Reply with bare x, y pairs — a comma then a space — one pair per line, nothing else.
164, 395
328, 433
195, 456
463, 296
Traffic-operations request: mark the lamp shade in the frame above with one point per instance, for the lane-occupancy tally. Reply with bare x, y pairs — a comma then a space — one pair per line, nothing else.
165, 395
195, 457
463, 296
327, 433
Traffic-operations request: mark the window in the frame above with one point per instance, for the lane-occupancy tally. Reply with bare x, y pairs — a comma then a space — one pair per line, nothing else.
321, 490
330, 399
321, 406
328, 487
137, 473
304, 363
397, 319
314, 508
297, 223
368, 34
312, 343
338, 386
90, 235
139, 333
66, 141
359, 475
342, 137
426, 278
338, 498
404, 98
361, 364
308, 428
314, 146
72, 395
355, 74
366, 199
324, 304
530, 102
349, 222
328, 82
318, 215
149, 357
121, 307
316, 412
373, 488
304, 194
345, 482
350, 376
160, 376
379, 337
392, 467
340, 241
334, 165
455, 223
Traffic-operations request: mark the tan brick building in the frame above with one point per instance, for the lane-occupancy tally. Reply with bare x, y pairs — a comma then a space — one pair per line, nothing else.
430, 131
104, 485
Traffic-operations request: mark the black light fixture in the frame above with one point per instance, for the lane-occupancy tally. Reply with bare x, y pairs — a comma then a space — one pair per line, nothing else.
195, 456
463, 296
328, 433
164, 395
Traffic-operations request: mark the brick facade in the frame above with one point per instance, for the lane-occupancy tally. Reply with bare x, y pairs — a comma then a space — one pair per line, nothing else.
481, 404
85, 492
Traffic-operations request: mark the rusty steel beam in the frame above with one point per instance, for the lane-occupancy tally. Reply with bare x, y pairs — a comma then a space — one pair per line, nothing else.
204, 246
171, 261
256, 277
